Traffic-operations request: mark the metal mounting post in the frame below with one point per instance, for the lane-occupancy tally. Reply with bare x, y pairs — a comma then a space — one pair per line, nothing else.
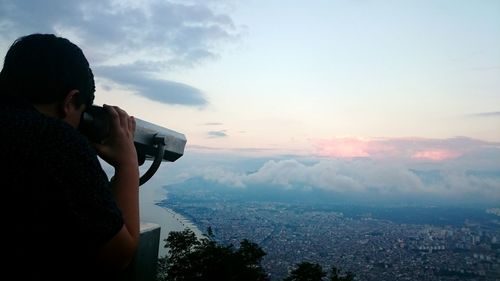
159, 142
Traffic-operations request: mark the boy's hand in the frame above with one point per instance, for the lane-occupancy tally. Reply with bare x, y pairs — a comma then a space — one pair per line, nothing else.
118, 149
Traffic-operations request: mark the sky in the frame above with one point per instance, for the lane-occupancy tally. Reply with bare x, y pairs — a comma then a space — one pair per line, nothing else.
410, 82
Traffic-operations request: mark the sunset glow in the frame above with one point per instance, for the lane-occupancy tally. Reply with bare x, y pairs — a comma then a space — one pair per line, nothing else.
436, 155
401, 148
352, 148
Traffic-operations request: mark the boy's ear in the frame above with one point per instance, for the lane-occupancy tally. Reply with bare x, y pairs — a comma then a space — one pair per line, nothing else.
69, 103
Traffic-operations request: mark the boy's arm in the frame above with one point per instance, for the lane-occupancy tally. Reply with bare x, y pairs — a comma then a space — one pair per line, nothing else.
119, 151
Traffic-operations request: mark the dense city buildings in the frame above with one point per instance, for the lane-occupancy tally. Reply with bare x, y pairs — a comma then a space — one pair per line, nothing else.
364, 242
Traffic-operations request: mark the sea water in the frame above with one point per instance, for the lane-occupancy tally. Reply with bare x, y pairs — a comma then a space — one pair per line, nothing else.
166, 218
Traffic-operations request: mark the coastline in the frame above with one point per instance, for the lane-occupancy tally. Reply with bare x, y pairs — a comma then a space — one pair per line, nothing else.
151, 212
186, 223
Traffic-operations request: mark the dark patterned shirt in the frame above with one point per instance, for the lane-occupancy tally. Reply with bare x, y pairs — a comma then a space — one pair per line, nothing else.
57, 205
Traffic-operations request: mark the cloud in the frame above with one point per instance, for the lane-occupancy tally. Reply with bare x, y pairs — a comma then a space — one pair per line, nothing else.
352, 147
364, 177
213, 124
340, 176
155, 89
436, 154
233, 151
223, 176
487, 114
217, 134
402, 148
149, 36
391, 172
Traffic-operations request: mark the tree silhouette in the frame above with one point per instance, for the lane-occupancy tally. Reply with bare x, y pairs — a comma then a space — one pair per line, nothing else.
190, 259
306, 271
210, 233
337, 275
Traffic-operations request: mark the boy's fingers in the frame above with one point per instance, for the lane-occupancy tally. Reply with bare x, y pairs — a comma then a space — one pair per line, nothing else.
123, 116
113, 114
131, 124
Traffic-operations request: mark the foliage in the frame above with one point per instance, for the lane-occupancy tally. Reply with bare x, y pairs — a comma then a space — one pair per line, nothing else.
337, 275
191, 259
306, 271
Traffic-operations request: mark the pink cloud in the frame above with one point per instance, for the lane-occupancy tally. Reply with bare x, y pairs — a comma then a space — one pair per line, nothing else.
405, 148
352, 147
436, 155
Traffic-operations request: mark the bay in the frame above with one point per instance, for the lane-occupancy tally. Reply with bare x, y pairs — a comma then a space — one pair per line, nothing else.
166, 218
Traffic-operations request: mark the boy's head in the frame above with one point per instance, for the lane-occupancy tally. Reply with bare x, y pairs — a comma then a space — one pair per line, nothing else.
43, 68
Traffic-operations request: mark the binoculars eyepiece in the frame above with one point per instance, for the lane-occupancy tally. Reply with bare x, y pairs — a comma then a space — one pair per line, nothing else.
152, 142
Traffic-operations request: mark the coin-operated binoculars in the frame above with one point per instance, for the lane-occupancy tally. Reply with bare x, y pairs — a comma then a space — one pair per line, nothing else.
152, 142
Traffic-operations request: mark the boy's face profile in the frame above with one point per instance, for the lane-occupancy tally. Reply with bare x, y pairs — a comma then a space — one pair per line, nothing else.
72, 111
75, 116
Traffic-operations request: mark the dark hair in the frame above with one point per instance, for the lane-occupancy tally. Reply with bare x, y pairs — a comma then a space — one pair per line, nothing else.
43, 68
